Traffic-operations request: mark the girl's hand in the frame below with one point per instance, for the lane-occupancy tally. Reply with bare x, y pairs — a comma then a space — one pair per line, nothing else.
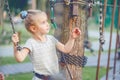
15, 38
1, 76
75, 33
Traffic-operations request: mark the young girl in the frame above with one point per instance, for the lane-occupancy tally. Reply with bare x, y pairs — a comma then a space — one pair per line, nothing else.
41, 47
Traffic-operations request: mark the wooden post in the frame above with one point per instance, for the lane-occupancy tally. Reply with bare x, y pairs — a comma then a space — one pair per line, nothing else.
74, 16
41, 4
33, 4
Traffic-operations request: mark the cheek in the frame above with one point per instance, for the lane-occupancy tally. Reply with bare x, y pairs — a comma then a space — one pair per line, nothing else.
42, 29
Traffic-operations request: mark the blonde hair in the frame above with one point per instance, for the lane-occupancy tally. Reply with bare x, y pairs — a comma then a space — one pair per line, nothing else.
30, 18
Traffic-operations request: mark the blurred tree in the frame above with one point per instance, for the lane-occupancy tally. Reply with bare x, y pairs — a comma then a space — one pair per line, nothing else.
108, 13
17, 5
33, 4
116, 14
1, 13
42, 4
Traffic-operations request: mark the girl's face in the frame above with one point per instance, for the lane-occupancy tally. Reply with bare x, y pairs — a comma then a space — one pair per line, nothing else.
43, 26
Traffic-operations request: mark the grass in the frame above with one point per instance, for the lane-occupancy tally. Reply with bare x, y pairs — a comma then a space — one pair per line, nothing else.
89, 73
10, 60
22, 76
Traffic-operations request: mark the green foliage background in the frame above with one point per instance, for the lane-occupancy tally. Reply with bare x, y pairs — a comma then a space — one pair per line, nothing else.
17, 5
109, 10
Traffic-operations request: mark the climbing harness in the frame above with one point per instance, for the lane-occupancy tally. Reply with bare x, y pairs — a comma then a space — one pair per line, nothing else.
11, 20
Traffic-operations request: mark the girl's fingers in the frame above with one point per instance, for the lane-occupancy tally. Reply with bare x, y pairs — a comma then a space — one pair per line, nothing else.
15, 37
77, 31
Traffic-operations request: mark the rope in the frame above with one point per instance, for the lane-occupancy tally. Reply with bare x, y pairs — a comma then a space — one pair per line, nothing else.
117, 39
9, 14
101, 39
65, 61
115, 56
11, 20
111, 30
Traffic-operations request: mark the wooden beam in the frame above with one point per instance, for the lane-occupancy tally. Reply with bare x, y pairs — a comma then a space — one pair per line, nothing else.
33, 4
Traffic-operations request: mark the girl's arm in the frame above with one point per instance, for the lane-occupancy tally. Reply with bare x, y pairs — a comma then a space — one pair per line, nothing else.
19, 55
67, 47
70, 43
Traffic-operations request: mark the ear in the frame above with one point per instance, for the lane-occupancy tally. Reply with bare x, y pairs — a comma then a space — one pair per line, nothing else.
33, 29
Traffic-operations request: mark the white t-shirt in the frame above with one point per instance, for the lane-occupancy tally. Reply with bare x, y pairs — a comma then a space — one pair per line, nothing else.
43, 55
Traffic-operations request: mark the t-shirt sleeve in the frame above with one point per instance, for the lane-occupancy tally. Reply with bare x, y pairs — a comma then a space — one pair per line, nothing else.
54, 40
28, 45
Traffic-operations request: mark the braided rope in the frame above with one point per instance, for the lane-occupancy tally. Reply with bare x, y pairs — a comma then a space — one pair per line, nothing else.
11, 20
101, 39
10, 17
